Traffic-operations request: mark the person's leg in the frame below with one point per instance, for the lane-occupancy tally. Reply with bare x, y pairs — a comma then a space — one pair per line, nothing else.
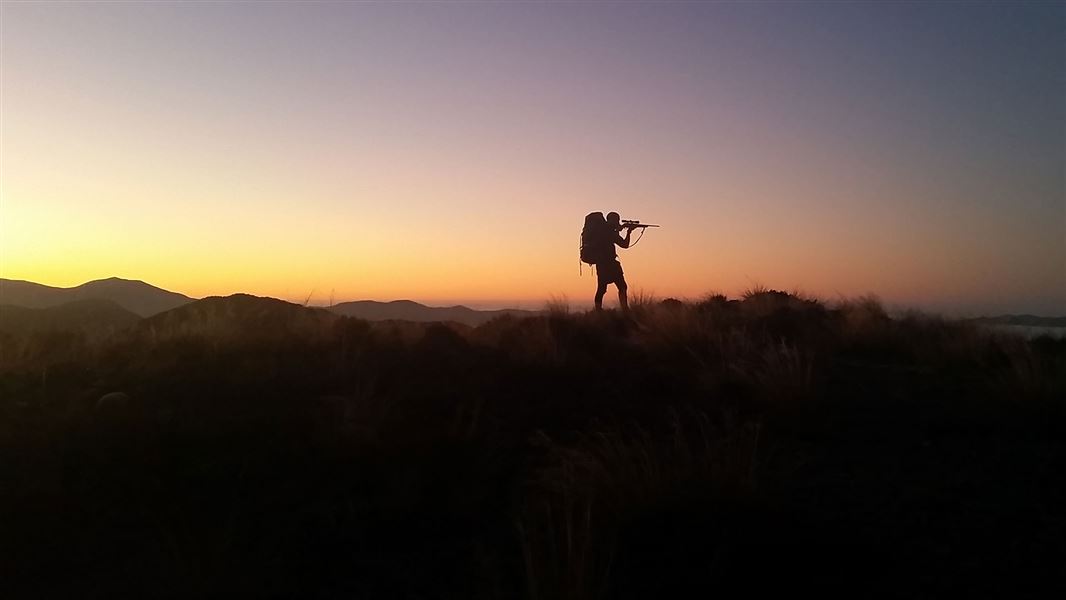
623, 299
601, 289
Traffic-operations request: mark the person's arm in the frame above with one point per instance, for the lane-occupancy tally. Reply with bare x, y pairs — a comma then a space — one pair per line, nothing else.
624, 243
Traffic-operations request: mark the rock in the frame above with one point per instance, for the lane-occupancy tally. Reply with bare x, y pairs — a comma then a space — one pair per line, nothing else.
113, 401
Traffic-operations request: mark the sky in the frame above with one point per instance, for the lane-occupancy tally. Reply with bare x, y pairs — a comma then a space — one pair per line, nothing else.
448, 152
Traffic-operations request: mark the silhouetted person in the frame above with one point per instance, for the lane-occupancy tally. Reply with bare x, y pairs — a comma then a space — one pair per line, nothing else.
608, 269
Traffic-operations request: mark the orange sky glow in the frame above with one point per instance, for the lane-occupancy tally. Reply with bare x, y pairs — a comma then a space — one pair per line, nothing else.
449, 153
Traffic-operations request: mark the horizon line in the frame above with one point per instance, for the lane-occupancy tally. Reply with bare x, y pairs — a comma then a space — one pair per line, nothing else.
529, 304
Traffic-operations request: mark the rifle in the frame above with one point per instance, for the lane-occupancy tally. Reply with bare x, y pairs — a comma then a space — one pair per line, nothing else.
626, 223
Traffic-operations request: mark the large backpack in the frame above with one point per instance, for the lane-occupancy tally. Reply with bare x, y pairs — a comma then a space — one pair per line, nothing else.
594, 239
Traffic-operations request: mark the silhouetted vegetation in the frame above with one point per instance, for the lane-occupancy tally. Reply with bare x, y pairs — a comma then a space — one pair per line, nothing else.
250, 447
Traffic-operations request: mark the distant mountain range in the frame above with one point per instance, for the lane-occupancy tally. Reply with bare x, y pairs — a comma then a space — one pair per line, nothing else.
406, 310
137, 297
107, 304
26, 306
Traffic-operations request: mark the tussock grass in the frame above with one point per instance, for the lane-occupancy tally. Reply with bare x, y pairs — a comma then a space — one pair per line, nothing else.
594, 485
558, 306
642, 299
556, 456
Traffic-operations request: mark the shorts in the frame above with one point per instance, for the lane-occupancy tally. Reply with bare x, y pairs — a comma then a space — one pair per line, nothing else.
610, 272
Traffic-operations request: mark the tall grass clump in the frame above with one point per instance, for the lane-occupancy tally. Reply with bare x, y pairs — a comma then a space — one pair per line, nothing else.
641, 299
249, 447
558, 306
1032, 372
593, 490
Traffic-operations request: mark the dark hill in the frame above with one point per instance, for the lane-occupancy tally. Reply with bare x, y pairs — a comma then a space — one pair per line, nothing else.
1023, 320
89, 316
239, 316
135, 296
406, 310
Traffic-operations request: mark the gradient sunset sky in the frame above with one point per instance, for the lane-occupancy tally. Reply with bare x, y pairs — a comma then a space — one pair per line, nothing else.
449, 152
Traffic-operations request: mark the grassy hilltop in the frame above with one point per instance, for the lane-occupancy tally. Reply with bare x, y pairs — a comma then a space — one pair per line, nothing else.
250, 447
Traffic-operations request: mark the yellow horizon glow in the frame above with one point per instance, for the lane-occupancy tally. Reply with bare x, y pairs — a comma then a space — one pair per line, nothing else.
464, 174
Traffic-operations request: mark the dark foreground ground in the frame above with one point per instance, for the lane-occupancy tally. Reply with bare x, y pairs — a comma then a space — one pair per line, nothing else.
769, 445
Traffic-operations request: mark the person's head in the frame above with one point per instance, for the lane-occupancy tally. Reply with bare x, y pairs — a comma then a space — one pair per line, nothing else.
614, 220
